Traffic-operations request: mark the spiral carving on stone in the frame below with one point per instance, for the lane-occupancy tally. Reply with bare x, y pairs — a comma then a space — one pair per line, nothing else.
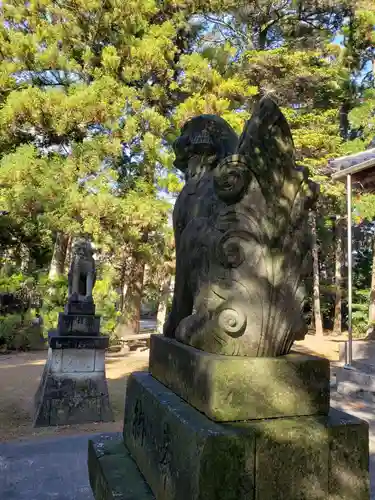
229, 250
231, 178
242, 252
232, 321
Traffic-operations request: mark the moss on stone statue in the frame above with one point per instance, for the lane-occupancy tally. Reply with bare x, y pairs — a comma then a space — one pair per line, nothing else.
217, 472
174, 445
185, 456
292, 457
349, 459
113, 473
231, 388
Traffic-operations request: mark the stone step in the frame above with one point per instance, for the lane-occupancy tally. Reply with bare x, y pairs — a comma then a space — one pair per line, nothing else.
355, 391
356, 383
358, 377
361, 350
366, 366
112, 471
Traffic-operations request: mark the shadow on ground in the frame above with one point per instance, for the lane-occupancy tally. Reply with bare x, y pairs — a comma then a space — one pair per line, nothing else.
19, 379
37, 469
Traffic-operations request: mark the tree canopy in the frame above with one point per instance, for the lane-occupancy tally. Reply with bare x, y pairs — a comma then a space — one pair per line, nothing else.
92, 95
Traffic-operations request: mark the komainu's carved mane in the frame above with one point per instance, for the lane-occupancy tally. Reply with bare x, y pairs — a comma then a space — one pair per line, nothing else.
242, 239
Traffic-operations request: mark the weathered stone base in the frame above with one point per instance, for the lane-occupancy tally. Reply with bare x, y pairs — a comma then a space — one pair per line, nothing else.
231, 388
231, 449
73, 388
113, 473
185, 456
78, 324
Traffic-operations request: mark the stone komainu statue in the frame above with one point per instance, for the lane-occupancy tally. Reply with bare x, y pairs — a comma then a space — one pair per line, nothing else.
82, 273
241, 235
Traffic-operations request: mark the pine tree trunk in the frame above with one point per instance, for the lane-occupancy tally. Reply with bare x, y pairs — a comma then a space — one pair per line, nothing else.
68, 255
123, 290
338, 277
316, 285
371, 312
59, 256
163, 304
123, 286
133, 297
126, 264
134, 290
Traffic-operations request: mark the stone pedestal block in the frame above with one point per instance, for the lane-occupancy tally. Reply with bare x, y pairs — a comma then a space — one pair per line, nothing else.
78, 324
73, 388
70, 342
80, 307
229, 388
183, 455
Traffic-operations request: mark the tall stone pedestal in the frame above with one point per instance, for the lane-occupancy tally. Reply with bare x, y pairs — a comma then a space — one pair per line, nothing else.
206, 427
73, 388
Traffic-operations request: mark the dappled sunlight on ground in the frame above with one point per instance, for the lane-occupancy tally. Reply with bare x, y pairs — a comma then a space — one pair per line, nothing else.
327, 346
19, 379
20, 374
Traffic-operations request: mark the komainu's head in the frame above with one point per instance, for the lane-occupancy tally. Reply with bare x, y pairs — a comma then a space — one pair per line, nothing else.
207, 135
83, 248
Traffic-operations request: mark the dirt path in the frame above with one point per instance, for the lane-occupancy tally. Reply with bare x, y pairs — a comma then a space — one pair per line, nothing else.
19, 379
327, 347
20, 375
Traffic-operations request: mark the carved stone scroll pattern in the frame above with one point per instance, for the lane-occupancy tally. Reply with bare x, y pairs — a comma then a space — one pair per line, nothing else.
242, 240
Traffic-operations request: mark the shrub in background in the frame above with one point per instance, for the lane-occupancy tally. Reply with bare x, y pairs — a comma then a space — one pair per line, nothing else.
360, 312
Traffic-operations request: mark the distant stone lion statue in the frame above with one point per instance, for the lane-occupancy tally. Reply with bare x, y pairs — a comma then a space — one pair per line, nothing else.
82, 273
241, 235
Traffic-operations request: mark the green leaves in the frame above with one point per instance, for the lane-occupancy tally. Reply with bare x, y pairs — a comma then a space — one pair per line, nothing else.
363, 115
306, 77
92, 95
364, 206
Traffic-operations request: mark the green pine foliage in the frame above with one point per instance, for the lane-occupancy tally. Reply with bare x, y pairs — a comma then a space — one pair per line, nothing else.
92, 95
